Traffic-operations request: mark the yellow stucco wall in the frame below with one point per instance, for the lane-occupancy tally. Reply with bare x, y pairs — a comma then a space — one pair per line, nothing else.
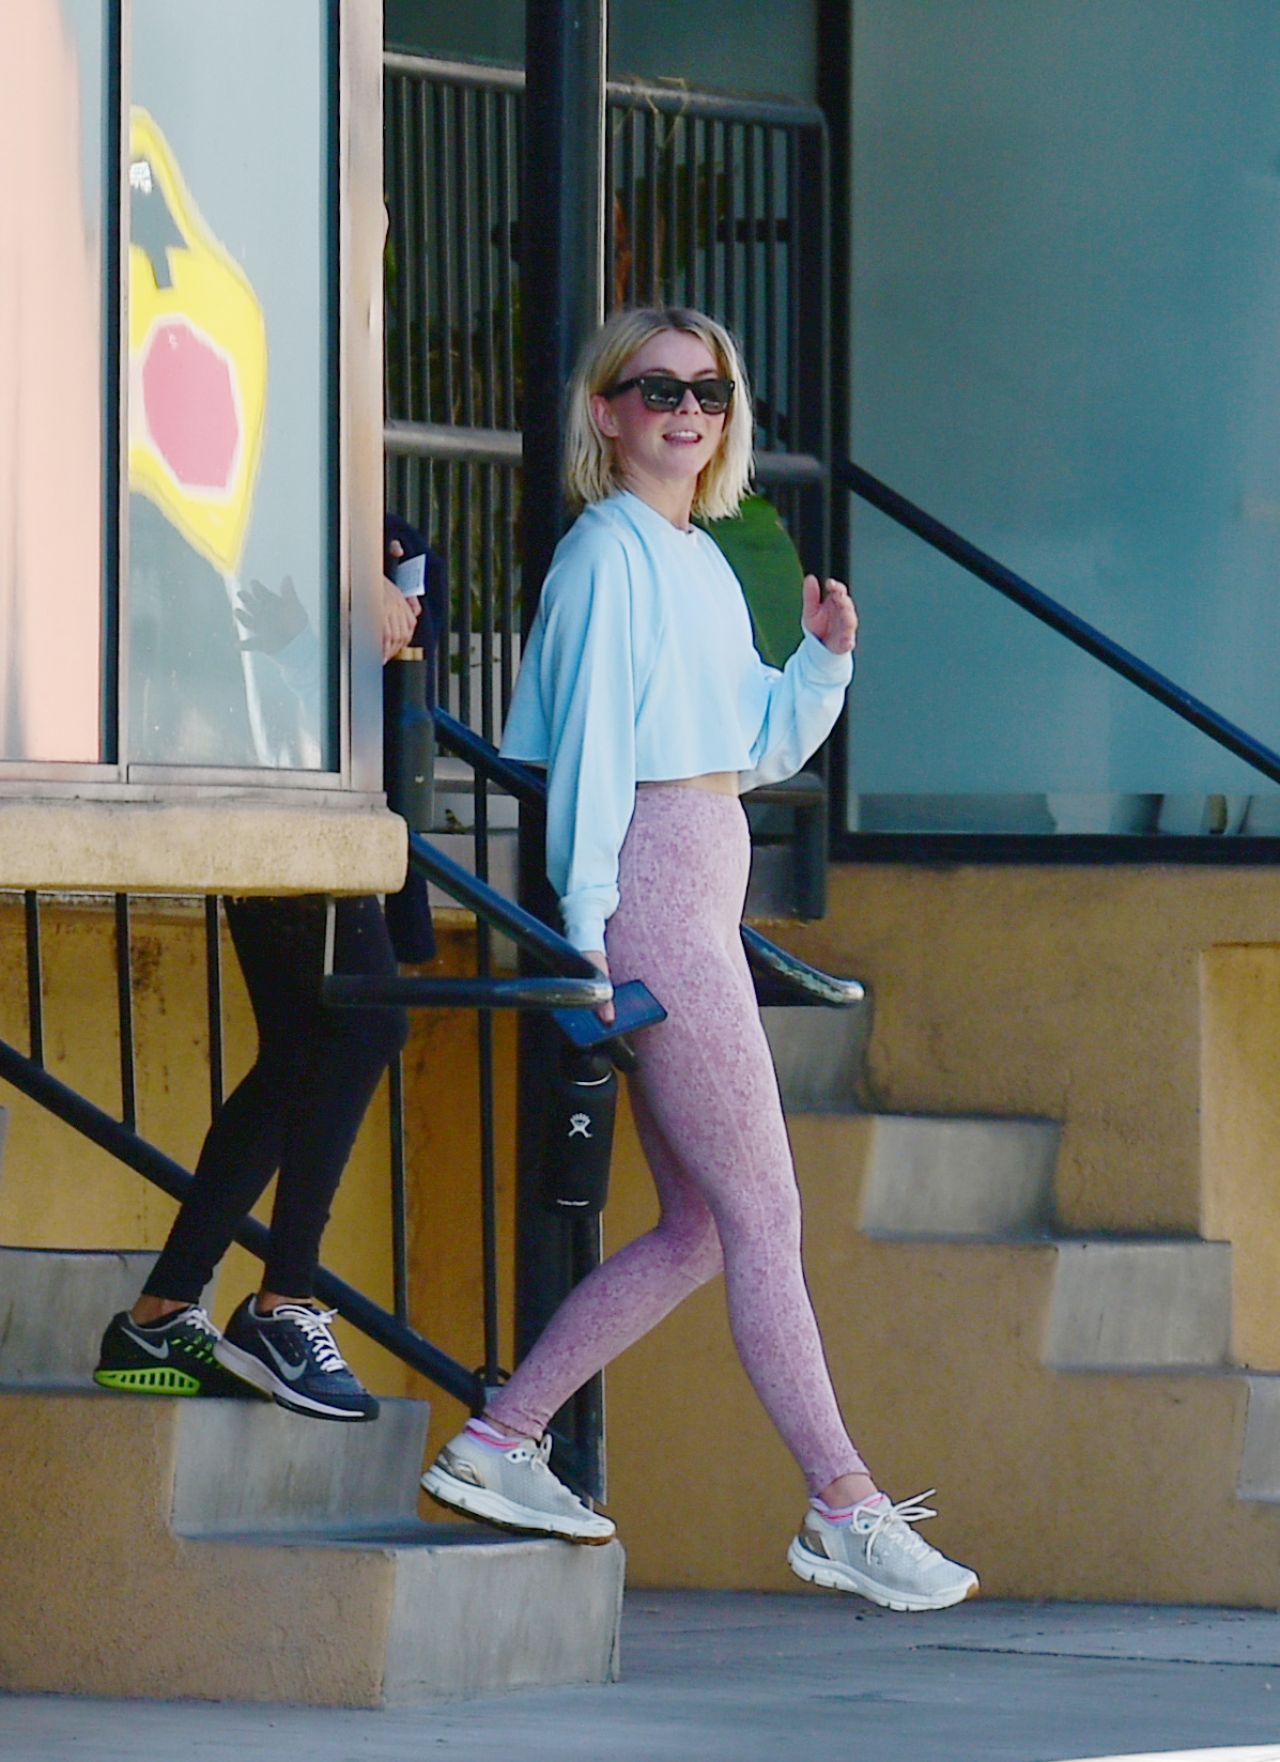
1141, 1008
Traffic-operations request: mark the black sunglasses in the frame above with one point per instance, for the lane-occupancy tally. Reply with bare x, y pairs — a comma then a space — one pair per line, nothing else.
661, 391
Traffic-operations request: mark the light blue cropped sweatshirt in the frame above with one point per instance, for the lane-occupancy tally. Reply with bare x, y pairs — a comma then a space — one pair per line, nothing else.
641, 667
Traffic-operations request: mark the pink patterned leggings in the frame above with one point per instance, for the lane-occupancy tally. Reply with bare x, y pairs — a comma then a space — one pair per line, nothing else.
706, 1105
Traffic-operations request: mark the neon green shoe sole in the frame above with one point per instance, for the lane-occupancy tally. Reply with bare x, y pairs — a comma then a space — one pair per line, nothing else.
159, 1381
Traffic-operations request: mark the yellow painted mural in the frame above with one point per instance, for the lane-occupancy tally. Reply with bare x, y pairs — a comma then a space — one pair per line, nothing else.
197, 359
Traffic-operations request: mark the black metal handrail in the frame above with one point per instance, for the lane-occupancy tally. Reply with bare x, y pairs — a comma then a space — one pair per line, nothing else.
781, 976
575, 983
353, 990
137, 1153
578, 984
1077, 630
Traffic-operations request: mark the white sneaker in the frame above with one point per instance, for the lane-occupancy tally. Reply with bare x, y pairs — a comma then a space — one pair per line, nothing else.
512, 1488
880, 1556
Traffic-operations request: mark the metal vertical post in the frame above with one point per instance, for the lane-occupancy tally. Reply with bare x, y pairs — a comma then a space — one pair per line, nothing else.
562, 299
35, 979
124, 1006
835, 95
399, 1191
213, 994
561, 245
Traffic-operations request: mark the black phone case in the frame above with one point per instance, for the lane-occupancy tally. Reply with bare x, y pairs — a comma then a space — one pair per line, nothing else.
635, 1006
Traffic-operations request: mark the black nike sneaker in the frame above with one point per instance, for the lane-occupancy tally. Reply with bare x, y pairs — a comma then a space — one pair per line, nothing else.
173, 1358
292, 1355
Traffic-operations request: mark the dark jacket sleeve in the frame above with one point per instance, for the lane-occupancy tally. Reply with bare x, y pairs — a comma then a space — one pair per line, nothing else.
409, 912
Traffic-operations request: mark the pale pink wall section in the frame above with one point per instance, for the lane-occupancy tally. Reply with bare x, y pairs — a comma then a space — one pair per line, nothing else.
50, 412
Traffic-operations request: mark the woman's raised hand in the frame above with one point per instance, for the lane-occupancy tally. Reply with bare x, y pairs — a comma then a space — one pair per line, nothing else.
830, 615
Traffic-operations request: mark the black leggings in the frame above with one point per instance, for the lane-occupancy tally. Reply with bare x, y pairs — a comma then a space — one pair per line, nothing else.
299, 1108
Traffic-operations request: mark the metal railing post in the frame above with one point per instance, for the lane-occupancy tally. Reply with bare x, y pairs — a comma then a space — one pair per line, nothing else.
562, 290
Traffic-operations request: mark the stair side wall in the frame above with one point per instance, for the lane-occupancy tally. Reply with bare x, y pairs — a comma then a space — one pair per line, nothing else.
457, 1629
1050, 1484
1061, 993
105, 1466
1240, 1124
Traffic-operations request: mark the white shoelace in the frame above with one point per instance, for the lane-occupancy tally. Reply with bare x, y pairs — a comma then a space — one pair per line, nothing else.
538, 1456
314, 1324
525, 1450
900, 1517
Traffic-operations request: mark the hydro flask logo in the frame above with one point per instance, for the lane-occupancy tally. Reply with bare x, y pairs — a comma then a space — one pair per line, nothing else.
580, 1125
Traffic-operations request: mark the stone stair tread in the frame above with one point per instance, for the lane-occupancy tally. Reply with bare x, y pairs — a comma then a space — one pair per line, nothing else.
818, 1055
958, 1178
251, 1466
232, 1508
1125, 1302
408, 1535
1260, 1457
54, 1304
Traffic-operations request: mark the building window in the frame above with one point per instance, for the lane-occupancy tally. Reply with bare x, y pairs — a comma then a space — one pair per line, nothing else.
229, 351
170, 574
1065, 308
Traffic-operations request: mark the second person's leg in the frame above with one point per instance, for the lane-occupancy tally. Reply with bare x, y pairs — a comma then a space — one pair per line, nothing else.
280, 1341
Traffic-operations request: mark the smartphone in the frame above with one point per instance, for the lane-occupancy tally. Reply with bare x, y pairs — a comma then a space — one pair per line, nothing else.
634, 1005
411, 576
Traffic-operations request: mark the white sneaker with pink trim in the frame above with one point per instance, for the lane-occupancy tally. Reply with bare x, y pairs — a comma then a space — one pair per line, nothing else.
879, 1556
513, 1488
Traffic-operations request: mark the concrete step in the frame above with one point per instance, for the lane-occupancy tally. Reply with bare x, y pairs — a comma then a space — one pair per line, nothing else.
1140, 1305
249, 1467
958, 1179
473, 1611
116, 1504
1260, 1459
54, 1304
819, 1054
1116, 1303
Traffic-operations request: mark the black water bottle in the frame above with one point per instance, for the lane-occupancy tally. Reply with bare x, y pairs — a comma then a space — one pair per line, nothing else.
577, 1138
408, 739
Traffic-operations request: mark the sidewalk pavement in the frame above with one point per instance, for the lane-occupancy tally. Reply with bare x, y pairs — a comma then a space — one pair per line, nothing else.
719, 1677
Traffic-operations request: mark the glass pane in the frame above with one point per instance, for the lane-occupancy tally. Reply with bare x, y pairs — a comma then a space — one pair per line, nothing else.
229, 508
51, 372
1067, 282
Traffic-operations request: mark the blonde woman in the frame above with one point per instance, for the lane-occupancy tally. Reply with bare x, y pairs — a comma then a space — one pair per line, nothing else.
642, 693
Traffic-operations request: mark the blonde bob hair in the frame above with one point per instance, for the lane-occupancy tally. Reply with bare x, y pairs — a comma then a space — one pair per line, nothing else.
590, 467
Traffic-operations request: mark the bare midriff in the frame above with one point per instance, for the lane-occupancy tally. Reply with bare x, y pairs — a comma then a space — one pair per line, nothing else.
714, 782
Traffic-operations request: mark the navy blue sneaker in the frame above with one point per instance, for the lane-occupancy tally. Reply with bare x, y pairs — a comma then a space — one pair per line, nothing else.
175, 1357
292, 1355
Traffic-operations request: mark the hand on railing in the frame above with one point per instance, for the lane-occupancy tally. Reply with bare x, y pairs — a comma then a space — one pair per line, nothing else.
599, 960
